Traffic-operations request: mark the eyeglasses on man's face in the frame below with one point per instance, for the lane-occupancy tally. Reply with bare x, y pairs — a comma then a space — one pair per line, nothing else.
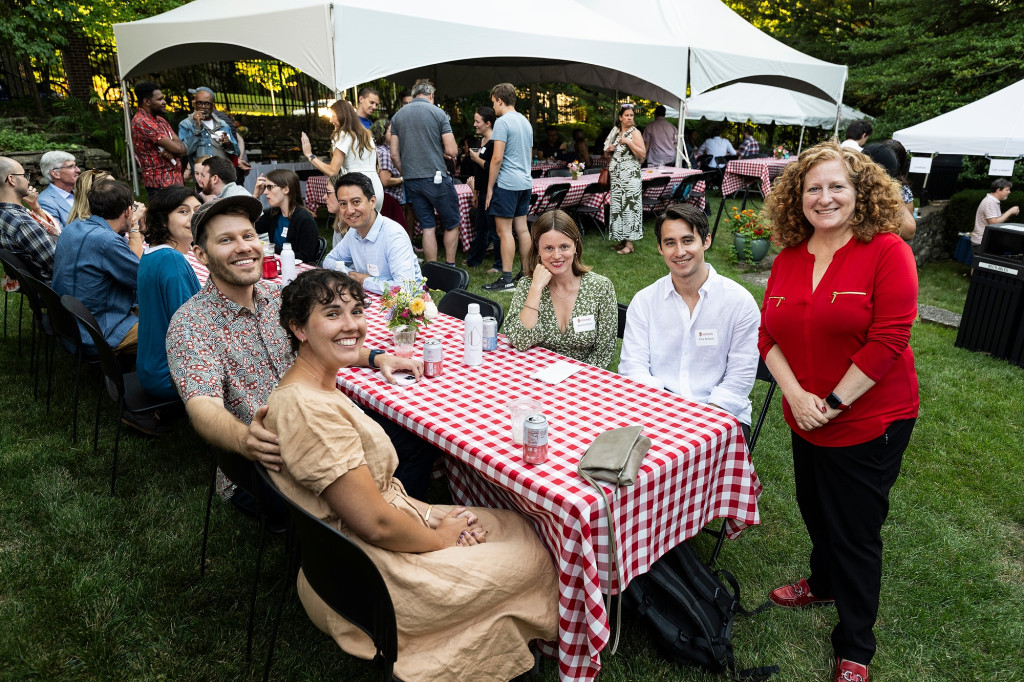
69, 166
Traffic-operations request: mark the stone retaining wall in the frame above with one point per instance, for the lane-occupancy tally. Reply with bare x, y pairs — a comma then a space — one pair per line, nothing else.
931, 242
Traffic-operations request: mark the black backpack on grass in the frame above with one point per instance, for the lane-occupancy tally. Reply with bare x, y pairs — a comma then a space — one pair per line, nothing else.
689, 612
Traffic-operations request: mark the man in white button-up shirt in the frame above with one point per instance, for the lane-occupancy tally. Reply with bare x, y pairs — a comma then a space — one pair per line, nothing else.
376, 250
693, 332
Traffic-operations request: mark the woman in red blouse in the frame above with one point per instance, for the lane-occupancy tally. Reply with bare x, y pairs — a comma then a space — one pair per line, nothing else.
835, 329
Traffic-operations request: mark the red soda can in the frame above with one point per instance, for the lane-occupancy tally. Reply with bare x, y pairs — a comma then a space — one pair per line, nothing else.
433, 358
535, 439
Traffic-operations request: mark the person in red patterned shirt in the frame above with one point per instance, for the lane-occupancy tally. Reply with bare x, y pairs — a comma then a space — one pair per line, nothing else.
157, 147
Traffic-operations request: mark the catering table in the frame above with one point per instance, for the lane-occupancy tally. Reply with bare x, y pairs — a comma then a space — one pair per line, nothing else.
698, 468
317, 186
203, 273
739, 172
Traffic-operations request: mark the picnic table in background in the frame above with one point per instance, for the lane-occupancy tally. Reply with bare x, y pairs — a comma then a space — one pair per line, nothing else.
740, 172
203, 272
317, 186
698, 468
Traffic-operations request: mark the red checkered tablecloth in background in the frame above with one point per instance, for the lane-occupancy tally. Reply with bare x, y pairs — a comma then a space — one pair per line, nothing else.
676, 176
316, 187
203, 273
697, 470
739, 172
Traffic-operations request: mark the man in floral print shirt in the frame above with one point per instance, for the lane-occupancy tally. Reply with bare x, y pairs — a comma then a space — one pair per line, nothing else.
227, 351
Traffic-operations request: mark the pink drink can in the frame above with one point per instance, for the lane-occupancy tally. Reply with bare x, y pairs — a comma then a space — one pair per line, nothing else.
535, 439
433, 358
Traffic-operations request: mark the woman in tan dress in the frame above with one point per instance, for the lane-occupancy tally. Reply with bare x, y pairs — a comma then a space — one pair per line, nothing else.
471, 587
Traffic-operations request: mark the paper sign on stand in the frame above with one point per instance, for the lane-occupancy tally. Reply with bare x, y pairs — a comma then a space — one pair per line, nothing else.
1001, 167
921, 164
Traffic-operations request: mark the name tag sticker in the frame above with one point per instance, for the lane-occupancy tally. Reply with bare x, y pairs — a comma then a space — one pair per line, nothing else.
372, 269
284, 233
707, 337
584, 323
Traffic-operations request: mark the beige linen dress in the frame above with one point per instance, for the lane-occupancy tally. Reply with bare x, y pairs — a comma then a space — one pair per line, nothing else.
463, 613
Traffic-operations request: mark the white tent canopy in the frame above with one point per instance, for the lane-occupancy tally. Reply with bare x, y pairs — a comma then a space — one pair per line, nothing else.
992, 126
573, 41
741, 102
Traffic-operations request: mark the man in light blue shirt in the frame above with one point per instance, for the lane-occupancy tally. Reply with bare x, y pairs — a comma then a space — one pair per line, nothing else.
62, 171
376, 250
509, 183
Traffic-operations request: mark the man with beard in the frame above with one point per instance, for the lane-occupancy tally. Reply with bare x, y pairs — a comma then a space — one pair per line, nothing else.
157, 148
20, 233
207, 132
217, 176
227, 350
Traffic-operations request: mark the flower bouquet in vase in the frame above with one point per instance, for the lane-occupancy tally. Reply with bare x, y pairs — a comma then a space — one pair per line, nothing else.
410, 304
576, 169
750, 235
781, 152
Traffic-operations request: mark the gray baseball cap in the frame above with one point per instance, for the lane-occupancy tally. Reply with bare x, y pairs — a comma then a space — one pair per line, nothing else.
217, 207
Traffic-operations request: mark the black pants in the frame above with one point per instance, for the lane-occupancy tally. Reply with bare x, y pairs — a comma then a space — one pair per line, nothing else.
415, 456
486, 233
843, 493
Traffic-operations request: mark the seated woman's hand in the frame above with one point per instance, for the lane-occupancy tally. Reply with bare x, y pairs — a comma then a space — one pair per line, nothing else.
460, 527
541, 277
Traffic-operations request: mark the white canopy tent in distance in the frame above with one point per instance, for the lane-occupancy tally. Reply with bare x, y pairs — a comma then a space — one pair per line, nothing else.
578, 41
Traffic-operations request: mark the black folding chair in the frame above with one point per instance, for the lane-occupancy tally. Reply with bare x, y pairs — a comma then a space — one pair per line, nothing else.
10, 271
592, 171
589, 212
332, 564
322, 248
653, 189
684, 190
123, 387
552, 198
763, 374
557, 173
622, 319
456, 303
17, 269
444, 277
243, 473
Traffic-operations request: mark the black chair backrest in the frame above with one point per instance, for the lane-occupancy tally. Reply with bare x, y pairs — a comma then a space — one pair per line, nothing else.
622, 319
763, 374
109, 364
537, 173
557, 173
456, 303
594, 188
592, 171
722, 160
652, 184
683, 189
61, 321
333, 564
321, 248
240, 471
547, 202
16, 269
445, 277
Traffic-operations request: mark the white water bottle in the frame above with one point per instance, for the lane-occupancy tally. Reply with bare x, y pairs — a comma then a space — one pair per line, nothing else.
473, 348
287, 263
437, 178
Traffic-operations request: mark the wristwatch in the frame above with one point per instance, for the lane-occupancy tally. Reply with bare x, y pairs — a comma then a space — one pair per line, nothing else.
312, 157
836, 403
373, 357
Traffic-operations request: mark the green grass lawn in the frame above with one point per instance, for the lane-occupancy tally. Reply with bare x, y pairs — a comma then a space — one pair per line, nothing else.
101, 587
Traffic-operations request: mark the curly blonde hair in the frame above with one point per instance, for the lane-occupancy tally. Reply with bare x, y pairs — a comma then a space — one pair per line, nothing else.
878, 207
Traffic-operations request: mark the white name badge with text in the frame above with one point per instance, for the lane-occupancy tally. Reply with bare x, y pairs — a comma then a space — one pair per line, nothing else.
707, 337
584, 323
372, 269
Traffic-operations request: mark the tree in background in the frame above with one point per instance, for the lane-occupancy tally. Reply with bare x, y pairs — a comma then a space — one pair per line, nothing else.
274, 76
910, 60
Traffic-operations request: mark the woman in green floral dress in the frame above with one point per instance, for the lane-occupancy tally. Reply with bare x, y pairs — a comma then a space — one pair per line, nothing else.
563, 306
627, 149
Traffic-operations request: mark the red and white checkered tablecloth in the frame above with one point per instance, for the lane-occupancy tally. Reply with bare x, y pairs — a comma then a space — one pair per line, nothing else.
676, 175
698, 468
316, 187
576, 187
739, 172
203, 273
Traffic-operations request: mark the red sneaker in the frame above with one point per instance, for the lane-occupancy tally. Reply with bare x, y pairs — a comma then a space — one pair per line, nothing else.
848, 671
796, 596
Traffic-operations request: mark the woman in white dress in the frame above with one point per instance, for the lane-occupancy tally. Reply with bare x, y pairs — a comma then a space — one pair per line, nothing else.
353, 148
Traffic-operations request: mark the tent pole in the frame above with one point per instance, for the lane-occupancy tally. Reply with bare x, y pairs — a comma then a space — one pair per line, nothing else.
839, 108
681, 137
800, 145
129, 147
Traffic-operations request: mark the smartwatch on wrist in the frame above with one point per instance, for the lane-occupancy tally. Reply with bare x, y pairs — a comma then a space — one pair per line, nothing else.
312, 157
373, 357
836, 403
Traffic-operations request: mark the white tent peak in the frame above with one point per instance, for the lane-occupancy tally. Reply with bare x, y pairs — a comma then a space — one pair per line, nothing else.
993, 125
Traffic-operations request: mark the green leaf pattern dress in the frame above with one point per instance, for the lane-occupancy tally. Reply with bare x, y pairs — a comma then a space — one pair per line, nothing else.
627, 209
